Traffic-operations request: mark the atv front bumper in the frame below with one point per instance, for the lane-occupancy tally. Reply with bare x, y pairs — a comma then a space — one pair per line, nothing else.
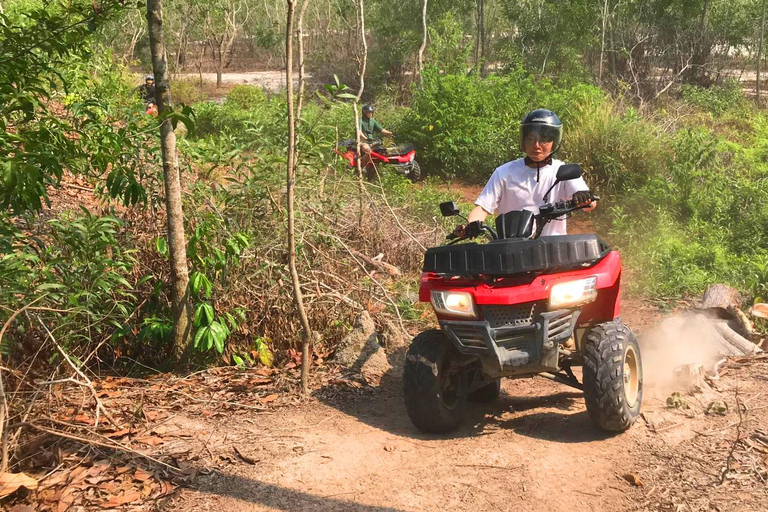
513, 340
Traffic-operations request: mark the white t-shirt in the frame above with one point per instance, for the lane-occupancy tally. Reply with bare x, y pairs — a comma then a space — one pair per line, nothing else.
513, 186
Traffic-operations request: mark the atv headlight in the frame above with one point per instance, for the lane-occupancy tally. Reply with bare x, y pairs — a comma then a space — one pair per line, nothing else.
573, 293
454, 303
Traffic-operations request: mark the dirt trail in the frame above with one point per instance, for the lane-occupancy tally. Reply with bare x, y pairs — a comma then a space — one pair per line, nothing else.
534, 449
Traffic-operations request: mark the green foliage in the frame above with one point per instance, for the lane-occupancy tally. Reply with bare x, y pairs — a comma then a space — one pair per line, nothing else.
246, 97
80, 272
466, 125
717, 99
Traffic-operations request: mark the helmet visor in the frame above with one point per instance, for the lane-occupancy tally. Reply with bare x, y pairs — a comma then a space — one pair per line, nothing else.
533, 133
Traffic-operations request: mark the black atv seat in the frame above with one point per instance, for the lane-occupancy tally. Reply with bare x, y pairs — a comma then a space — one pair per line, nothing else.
516, 256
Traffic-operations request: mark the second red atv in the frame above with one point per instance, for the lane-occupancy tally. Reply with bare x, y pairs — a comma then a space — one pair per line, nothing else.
401, 157
522, 305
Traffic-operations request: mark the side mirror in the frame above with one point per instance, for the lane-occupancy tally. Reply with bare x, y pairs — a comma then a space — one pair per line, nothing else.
564, 173
449, 209
568, 172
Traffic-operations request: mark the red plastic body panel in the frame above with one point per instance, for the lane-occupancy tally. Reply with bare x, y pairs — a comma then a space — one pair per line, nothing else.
349, 156
511, 291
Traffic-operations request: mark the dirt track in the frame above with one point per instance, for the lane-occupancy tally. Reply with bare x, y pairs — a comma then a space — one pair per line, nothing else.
535, 449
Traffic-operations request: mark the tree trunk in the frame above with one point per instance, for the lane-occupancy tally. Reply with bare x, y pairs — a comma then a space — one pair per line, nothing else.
306, 346
219, 67
175, 216
306, 335
760, 53
602, 43
361, 187
423, 36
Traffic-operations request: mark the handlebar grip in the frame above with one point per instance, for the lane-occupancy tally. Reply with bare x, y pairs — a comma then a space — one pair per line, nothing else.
451, 236
595, 198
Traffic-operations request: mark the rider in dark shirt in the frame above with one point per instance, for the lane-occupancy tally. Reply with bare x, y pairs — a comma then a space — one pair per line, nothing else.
369, 128
147, 90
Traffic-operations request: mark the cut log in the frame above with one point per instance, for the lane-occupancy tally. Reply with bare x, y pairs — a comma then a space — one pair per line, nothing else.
734, 339
721, 296
760, 310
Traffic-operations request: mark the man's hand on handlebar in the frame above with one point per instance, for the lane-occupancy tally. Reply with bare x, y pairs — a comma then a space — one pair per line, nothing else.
583, 198
471, 230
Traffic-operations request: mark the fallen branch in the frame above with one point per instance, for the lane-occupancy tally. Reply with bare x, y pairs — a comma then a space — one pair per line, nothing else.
86, 382
389, 269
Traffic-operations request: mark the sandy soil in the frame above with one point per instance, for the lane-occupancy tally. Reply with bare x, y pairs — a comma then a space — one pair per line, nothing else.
270, 80
534, 449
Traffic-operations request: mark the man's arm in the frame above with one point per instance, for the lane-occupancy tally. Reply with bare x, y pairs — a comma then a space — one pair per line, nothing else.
478, 213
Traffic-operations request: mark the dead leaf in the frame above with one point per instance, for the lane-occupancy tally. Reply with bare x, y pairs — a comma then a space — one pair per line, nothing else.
110, 394
78, 475
269, 398
22, 508
141, 475
118, 433
150, 440
161, 430
260, 381
11, 482
98, 467
123, 469
66, 501
247, 459
122, 499
633, 479
266, 372
84, 419
154, 415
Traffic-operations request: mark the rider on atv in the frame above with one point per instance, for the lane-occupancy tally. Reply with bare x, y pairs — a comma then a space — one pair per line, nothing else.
147, 90
522, 183
369, 129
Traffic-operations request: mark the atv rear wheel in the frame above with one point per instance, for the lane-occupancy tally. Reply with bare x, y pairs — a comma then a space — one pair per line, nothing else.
487, 393
613, 376
433, 383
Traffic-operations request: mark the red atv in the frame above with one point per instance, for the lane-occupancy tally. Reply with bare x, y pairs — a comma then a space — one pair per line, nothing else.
521, 305
401, 157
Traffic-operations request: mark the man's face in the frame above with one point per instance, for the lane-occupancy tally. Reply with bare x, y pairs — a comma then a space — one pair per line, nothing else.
538, 146
150, 82
368, 115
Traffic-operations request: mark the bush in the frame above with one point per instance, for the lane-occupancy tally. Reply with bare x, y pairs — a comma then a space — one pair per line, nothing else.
717, 99
246, 97
186, 92
466, 125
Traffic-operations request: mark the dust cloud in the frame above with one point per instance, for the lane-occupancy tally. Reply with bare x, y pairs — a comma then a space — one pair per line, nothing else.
679, 340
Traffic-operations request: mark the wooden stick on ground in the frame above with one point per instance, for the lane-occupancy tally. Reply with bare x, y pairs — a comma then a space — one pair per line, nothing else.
86, 382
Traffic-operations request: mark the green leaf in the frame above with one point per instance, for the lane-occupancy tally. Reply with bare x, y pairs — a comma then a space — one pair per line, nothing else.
162, 246
201, 332
219, 336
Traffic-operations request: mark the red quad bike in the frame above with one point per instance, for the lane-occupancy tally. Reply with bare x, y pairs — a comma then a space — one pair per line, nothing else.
522, 305
401, 157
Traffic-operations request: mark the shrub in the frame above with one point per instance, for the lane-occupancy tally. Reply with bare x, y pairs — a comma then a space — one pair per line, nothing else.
247, 97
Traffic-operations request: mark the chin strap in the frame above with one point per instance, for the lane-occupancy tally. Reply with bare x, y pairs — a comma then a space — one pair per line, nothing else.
547, 161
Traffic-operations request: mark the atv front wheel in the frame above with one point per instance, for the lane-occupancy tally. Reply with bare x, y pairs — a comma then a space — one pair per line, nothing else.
414, 172
433, 383
613, 376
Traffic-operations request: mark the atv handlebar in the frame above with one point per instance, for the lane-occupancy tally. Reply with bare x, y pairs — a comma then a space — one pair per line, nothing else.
547, 213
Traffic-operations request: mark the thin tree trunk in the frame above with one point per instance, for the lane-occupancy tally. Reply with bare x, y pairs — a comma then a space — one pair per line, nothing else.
482, 37
760, 53
306, 346
602, 43
361, 187
175, 215
306, 335
219, 66
423, 37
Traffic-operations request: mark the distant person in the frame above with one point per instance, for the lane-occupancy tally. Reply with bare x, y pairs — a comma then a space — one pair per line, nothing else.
147, 90
522, 183
370, 130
